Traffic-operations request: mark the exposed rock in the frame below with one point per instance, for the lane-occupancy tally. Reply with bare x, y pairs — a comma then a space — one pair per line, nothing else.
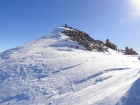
89, 47
77, 47
82, 42
84, 39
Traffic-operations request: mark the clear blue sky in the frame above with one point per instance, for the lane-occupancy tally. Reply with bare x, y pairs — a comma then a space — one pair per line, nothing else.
22, 21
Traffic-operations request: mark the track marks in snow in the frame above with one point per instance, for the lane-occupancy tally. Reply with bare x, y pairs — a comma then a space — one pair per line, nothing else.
137, 73
108, 91
101, 79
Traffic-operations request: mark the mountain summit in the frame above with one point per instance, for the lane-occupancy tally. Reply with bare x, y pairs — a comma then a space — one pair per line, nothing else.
68, 67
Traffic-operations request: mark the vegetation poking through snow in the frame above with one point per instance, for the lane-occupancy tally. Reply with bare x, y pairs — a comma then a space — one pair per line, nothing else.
110, 45
130, 51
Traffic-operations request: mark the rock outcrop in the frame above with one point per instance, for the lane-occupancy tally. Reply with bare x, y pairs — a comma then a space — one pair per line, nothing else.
84, 39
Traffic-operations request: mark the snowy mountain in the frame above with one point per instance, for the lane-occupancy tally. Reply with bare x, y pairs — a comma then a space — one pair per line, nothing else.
53, 71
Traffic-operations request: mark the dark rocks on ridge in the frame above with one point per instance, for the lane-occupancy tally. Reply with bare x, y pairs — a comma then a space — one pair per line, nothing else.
84, 39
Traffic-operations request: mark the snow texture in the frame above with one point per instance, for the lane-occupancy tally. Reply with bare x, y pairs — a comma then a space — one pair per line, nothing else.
51, 71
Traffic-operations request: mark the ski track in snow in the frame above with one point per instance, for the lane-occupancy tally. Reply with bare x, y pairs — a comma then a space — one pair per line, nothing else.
48, 71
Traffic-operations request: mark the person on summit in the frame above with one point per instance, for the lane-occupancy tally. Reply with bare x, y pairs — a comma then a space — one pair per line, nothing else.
66, 25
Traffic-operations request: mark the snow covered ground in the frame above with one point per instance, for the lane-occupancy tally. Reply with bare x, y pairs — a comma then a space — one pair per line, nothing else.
50, 71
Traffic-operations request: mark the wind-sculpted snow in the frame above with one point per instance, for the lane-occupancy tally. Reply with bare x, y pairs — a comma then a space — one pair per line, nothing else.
132, 97
49, 71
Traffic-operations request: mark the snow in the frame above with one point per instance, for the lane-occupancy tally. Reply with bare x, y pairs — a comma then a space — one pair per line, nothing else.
51, 71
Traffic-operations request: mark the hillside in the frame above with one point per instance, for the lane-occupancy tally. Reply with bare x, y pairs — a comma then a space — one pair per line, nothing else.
52, 70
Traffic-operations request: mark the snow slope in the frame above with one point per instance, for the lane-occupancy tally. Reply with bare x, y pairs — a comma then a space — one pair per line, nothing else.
50, 71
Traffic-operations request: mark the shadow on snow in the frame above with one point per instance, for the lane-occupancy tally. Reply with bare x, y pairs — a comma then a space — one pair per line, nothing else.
132, 96
88, 78
18, 97
100, 73
65, 68
114, 69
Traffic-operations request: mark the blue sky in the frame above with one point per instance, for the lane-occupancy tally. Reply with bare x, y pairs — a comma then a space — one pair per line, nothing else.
22, 21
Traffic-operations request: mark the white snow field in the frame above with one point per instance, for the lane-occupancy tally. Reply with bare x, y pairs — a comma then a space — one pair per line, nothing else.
50, 71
